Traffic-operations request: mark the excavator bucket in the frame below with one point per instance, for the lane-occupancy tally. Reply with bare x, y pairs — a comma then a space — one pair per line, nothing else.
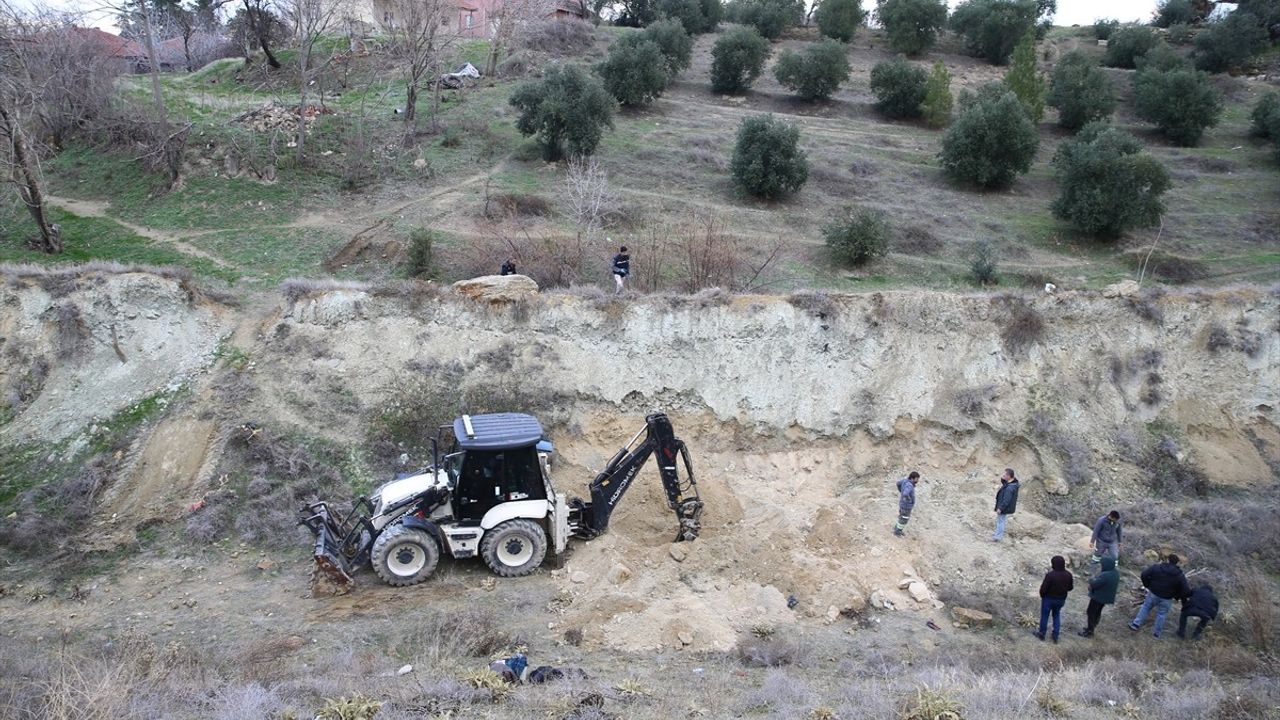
341, 546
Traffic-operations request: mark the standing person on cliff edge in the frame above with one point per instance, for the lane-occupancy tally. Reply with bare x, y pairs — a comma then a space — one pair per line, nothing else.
621, 269
906, 501
1006, 501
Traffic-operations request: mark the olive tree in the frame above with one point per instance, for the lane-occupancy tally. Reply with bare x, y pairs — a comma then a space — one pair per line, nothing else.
567, 109
1108, 185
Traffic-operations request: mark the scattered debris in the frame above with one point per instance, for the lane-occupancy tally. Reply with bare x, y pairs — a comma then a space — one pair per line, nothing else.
272, 117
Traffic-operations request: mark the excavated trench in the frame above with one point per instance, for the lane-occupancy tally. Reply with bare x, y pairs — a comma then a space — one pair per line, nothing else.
800, 413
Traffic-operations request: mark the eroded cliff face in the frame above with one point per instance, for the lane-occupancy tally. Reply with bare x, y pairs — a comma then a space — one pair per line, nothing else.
800, 413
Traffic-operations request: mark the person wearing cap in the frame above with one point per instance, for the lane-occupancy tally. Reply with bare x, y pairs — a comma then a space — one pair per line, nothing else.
906, 501
1165, 583
1057, 583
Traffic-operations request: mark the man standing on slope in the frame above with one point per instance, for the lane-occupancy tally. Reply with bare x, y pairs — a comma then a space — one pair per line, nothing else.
1006, 501
1102, 592
1106, 536
1164, 583
906, 500
1057, 583
621, 269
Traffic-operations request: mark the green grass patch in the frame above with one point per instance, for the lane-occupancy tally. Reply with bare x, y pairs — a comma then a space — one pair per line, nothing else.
270, 255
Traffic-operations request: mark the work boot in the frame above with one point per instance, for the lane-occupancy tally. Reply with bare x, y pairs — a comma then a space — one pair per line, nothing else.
1055, 639
1134, 628
1085, 633
897, 531
1181, 634
1039, 635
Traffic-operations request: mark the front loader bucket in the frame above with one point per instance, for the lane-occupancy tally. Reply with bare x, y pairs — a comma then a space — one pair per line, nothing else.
341, 545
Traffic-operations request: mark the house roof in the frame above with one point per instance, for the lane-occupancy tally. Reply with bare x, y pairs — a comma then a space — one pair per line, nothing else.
114, 45
497, 431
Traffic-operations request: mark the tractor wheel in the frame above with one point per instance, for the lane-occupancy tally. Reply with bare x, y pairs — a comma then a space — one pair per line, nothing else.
403, 556
514, 548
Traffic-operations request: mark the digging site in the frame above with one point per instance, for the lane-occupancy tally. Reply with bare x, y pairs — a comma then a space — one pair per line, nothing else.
159, 441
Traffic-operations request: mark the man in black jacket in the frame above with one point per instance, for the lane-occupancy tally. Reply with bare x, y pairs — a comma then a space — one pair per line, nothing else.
1006, 501
1164, 583
1202, 604
1053, 595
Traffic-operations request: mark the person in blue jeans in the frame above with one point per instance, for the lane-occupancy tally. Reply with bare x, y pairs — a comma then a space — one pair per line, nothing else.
1006, 501
1053, 595
1164, 583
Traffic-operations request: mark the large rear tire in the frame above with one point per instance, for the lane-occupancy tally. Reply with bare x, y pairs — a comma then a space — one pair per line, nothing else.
404, 556
514, 548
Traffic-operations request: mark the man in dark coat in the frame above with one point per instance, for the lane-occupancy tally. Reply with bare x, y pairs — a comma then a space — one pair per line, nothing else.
1164, 583
1006, 501
1202, 604
509, 267
621, 269
1053, 595
906, 501
1102, 592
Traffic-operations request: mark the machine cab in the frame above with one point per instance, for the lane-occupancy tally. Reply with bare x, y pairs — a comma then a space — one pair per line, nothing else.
496, 460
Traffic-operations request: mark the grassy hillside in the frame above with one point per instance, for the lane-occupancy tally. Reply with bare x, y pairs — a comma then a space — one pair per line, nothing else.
668, 167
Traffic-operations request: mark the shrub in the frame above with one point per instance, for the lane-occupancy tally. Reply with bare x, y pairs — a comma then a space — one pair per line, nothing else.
674, 43
1024, 80
689, 14
1162, 57
1268, 107
1080, 91
769, 17
737, 60
857, 237
567, 109
900, 88
635, 72
421, 261
712, 14
1180, 34
767, 160
991, 28
815, 72
1128, 44
992, 142
912, 25
1023, 327
1229, 43
839, 19
1108, 185
937, 97
1181, 103
1173, 12
983, 268
1267, 12
1104, 27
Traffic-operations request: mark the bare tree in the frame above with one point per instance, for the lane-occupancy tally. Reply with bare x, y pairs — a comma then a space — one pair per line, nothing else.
311, 19
589, 195
512, 20
260, 25
421, 36
19, 161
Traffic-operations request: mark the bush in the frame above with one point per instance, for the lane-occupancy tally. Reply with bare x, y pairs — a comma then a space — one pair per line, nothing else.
900, 88
1267, 12
1268, 107
991, 28
983, 268
635, 72
857, 237
839, 19
1181, 103
712, 14
1080, 91
1024, 80
567, 108
1162, 57
689, 14
674, 43
912, 25
937, 97
1230, 43
1108, 185
992, 142
1174, 12
1180, 34
421, 261
769, 17
1128, 44
767, 160
1103, 28
737, 59
815, 72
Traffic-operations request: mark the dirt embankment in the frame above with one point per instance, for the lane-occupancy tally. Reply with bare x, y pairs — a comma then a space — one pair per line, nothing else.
800, 414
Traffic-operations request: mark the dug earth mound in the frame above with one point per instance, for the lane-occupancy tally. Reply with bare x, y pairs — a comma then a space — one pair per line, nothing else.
800, 412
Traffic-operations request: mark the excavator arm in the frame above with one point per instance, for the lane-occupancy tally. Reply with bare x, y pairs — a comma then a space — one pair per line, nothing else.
608, 488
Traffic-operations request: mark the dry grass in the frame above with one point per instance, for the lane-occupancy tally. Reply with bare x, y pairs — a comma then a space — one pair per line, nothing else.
1022, 325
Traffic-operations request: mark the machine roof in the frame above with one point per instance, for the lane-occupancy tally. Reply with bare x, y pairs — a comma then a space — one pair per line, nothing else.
498, 431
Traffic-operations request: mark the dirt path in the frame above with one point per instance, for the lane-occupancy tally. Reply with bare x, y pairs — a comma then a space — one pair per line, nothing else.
99, 209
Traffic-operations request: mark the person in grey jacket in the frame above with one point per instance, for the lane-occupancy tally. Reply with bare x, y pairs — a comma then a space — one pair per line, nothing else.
906, 500
1006, 501
1107, 533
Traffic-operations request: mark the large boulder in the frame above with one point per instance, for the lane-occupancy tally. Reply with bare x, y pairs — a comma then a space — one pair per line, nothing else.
971, 618
497, 288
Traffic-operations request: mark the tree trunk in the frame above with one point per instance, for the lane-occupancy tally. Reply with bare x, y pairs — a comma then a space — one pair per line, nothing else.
303, 53
27, 178
491, 67
411, 102
271, 59
148, 38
